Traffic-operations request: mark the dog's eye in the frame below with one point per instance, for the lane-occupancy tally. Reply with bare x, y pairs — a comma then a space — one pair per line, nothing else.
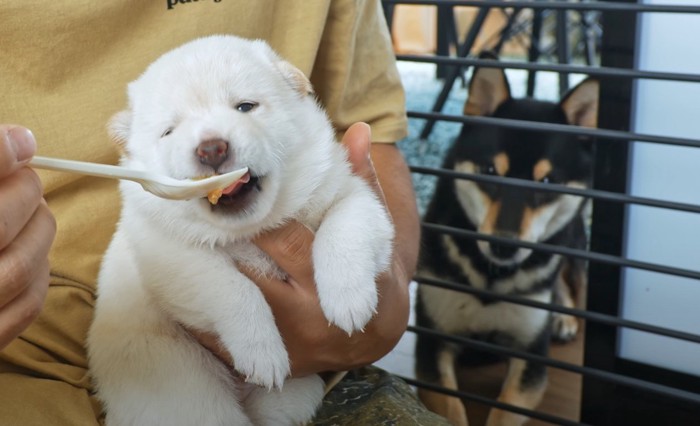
168, 131
548, 179
246, 106
488, 169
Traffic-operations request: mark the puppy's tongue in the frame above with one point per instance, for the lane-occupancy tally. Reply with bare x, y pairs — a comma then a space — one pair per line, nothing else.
231, 189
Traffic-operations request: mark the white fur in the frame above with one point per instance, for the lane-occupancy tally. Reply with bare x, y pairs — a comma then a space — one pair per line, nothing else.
173, 263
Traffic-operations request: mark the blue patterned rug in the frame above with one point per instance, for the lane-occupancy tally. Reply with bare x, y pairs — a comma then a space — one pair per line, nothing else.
421, 91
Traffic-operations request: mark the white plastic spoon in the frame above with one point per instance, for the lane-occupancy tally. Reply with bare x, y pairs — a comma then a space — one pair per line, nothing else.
162, 186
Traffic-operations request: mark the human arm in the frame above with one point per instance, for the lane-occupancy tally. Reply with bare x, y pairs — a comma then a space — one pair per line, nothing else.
27, 229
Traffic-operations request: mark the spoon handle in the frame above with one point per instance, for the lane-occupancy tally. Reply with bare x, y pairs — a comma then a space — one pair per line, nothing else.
85, 168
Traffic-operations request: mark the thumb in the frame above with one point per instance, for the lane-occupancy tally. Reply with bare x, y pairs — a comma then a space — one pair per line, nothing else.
17, 146
357, 140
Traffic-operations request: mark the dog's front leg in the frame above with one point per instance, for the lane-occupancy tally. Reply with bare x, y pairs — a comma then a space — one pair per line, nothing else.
352, 246
436, 364
253, 340
524, 386
205, 291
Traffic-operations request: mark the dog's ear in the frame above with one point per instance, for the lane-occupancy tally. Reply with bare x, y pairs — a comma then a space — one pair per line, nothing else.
488, 89
581, 103
295, 78
119, 129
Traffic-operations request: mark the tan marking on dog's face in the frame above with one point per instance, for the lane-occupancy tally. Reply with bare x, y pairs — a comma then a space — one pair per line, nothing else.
541, 170
502, 163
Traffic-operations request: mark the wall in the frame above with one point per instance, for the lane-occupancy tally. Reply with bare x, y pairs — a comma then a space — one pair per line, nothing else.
668, 42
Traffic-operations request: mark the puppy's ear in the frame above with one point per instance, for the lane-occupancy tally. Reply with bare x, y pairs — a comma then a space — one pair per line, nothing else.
119, 129
581, 103
295, 78
488, 89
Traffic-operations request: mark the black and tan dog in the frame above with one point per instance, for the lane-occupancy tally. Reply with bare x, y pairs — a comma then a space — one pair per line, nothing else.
510, 212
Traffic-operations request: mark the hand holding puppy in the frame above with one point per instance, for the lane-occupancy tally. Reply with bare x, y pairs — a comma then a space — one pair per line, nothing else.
27, 229
312, 344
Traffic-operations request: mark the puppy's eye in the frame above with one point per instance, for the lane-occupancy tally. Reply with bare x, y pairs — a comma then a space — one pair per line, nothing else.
168, 131
246, 106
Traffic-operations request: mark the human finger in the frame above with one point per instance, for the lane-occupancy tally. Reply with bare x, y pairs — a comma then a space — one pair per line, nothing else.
21, 194
17, 146
290, 247
26, 258
358, 141
24, 275
23, 309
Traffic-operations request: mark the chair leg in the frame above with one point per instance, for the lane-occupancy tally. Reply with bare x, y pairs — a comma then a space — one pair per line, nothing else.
589, 38
389, 14
507, 30
534, 52
454, 71
445, 28
563, 49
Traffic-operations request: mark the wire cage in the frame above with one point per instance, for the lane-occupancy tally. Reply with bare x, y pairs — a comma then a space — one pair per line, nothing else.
623, 381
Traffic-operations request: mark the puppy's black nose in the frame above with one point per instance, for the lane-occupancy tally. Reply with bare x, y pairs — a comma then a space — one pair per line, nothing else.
212, 152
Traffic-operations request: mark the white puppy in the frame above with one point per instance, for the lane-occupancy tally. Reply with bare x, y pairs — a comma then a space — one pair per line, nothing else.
210, 106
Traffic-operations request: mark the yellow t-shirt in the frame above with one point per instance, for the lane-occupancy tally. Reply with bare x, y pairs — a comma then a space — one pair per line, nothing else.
63, 74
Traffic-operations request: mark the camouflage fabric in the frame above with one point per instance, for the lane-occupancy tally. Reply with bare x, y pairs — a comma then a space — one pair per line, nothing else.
370, 396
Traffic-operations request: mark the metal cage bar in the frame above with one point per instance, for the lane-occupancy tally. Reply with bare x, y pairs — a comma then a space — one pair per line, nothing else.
601, 376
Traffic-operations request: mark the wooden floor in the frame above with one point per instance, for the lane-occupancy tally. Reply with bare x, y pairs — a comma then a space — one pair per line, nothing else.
563, 395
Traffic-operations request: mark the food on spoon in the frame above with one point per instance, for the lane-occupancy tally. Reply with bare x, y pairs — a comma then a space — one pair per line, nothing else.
214, 195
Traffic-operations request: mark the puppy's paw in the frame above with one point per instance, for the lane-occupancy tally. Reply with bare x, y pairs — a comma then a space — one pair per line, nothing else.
564, 327
348, 258
263, 363
349, 304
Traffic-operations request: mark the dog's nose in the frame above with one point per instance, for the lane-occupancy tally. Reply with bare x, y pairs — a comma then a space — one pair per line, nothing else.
504, 251
212, 152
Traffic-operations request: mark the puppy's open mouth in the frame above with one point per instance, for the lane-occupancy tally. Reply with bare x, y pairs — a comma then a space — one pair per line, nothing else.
237, 196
